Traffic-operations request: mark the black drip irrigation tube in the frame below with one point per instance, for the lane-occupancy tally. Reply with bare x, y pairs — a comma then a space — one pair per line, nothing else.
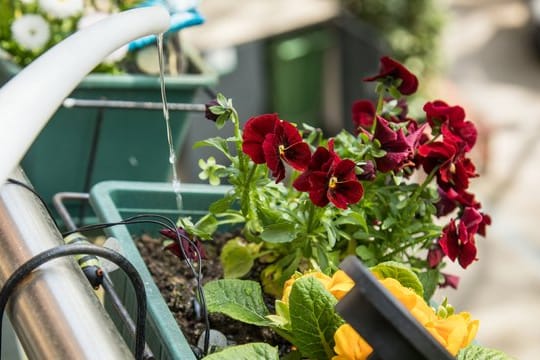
76, 249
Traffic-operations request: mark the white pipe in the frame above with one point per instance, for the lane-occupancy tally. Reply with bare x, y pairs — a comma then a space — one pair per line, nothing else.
29, 100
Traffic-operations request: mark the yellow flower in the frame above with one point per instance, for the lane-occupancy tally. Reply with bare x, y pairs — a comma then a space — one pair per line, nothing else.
453, 332
412, 302
287, 287
350, 345
340, 284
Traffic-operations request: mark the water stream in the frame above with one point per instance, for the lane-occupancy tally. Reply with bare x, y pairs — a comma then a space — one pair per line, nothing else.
172, 155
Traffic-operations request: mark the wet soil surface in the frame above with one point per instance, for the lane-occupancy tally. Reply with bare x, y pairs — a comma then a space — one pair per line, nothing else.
177, 284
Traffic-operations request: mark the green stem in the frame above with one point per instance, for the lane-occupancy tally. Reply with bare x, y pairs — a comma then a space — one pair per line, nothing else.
421, 188
378, 110
311, 217
245, 192
238, 135
404, 247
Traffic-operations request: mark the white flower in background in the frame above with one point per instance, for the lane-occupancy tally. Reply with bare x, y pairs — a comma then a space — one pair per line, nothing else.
31, 31
62, 9
94, 17
146, 60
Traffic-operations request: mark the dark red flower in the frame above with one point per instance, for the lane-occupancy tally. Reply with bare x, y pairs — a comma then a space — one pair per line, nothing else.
255, 131
208, 113
390, 68
450, 280
398, 148
285, 144
174, 247
363, 114
457, 242
435, 256
330, 179
369, 172
321, 160
486, 220
454, 169
439, 113
450, 199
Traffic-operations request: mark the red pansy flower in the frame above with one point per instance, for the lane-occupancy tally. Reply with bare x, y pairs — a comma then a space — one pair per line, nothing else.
435, 256
321, 160
454, 169
450, 199
285, 144
390, 68
439, 113
450, 280
369, 172
457, 242
330, 179
267, 139
363, 114
208, 113
397, 146
255, 131
486, 220
174, 247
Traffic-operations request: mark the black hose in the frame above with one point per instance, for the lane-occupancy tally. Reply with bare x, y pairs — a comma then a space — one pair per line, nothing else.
75, 249
31, 189
168, 224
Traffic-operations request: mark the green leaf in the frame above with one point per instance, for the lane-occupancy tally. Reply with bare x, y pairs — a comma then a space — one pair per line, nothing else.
236, 259
401, 273
364, 253
246, 352
430, 281
216, 142
313, 318
222, 120
221, 205
241, 300
477, 352
279, 233
207, 224
221, 99
353, 218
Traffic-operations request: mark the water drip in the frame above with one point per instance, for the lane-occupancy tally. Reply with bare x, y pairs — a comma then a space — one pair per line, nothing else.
176, 185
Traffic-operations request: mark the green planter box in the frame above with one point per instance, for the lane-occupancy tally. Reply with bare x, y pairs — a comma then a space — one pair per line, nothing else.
129, 144
114, 200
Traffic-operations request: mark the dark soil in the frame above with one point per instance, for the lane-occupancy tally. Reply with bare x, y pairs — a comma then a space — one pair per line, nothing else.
178, 287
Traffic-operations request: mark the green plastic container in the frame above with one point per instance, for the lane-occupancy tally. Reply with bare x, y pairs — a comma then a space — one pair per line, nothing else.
130, 144
296, 67
114, 200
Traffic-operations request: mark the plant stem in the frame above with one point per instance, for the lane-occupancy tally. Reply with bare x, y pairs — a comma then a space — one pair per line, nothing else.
238, 135
421, 188
245, 203
311, 217
378, 110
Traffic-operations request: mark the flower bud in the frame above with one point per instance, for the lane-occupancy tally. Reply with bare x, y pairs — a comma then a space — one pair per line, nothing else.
208, 112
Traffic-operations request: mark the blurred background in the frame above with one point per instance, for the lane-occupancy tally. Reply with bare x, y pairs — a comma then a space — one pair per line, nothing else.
305, 60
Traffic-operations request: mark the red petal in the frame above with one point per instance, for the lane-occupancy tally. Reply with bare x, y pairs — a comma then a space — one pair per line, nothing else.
255, 130
298, 155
